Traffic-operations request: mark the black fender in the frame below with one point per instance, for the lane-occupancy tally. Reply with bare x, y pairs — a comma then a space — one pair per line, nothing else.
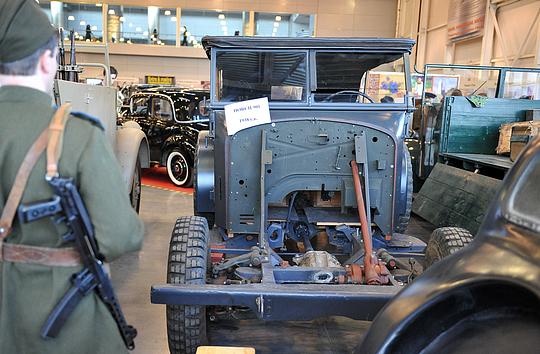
185, 139
203, 185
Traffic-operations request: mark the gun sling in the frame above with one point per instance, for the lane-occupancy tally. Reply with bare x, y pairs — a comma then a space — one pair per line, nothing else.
63, 257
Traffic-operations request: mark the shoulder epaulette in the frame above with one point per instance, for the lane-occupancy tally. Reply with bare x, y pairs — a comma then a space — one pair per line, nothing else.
87, 117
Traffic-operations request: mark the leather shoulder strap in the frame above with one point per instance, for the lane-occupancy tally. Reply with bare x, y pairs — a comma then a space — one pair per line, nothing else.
17, 190
56, 138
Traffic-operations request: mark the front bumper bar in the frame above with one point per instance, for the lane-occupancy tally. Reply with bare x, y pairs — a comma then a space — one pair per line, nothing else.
283, 302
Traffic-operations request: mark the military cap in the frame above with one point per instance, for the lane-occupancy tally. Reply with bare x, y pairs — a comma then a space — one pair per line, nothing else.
24, 28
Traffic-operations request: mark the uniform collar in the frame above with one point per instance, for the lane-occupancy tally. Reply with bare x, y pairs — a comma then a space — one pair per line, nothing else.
23, 93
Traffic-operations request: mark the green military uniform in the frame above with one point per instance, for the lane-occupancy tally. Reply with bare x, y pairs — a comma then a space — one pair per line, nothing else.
28, 292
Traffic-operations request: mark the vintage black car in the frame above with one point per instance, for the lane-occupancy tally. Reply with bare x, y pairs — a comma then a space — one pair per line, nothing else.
171, 118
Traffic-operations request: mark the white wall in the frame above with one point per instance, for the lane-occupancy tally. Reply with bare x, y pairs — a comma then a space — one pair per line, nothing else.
515, 19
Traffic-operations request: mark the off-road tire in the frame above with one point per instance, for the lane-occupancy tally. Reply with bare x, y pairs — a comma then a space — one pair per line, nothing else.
187, 264
404, 219
445, 241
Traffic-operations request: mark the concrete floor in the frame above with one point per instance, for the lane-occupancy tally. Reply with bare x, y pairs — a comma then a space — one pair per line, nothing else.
133, 274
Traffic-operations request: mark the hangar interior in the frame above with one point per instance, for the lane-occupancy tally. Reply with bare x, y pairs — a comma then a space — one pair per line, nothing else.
391, 134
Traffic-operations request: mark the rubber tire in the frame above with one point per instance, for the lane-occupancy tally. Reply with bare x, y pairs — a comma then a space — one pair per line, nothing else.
404, 219
135, 193
187, 264
188, 182
445, 241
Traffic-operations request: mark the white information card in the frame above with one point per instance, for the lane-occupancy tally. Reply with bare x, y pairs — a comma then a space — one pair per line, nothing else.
245, 114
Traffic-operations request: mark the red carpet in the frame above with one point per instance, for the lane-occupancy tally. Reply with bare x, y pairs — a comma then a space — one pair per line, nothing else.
157, 177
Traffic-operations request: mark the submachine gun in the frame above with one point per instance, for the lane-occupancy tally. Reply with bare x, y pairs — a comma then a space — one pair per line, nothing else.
67, 206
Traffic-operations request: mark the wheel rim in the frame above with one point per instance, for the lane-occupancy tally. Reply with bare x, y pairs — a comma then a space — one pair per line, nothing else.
177, 168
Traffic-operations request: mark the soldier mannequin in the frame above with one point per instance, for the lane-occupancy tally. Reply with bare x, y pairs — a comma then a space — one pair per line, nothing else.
29, 291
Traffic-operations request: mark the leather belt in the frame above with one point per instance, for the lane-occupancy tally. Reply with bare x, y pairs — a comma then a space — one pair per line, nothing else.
55, 257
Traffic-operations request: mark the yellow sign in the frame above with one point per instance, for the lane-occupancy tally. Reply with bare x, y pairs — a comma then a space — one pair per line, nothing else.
159, 80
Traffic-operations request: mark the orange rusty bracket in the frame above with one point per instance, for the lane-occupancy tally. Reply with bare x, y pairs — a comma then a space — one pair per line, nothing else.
376, 272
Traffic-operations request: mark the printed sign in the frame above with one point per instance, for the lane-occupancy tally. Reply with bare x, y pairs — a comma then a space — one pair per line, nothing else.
245, 114
466, 19
159, 80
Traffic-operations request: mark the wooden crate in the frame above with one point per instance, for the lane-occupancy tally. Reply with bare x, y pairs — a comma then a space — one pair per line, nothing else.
521, 135
505, 135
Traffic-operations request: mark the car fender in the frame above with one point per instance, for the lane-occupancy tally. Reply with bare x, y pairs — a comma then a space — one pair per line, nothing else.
203, 189
185, 139
477, 265
131, 145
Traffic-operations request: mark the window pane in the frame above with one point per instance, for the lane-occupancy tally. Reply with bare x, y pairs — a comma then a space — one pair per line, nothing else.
525, 85
84, 19
359, 78
128, 25
283, 25
161, 109
243, 75
199, 23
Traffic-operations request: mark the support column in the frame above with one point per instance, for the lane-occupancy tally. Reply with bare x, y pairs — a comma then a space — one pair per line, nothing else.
153, 21
178, 25
487, 40
422, 34
57, 13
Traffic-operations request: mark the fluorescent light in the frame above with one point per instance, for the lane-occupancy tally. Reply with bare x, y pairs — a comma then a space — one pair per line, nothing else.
71, 18
99, 5
167, 12
82, 23
221, 16
112, 12
122, 18
173, 18
278, 18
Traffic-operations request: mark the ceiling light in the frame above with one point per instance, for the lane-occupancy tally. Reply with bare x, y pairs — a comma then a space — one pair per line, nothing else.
276, 24
221, 16
112, 12
99, 5
71, 18
173, 18
167, 12
122, 18
278, 18
130, 24
82, 23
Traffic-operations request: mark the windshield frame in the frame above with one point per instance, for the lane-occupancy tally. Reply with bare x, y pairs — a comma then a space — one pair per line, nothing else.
310, 83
